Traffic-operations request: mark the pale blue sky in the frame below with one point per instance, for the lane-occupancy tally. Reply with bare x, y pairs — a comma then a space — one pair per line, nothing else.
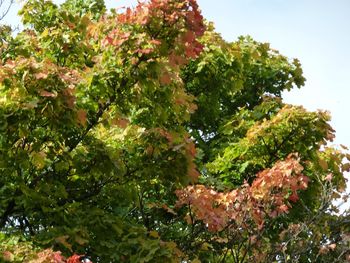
317, 32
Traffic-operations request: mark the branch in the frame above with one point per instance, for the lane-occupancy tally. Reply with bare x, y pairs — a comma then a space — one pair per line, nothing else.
7, 9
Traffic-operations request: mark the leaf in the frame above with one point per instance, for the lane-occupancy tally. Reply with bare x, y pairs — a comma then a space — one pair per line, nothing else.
154, 234
323, 164
244, 166
45, 93
38, 159
332, 246
63, 240
345, 167
82, 117
344, 147
293, 197
80, 240
41, 75
121, 122
168, 209
222, 240
165, 79
329, 177
206, 246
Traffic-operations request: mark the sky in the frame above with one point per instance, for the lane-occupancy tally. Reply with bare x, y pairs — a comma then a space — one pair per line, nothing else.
317, 32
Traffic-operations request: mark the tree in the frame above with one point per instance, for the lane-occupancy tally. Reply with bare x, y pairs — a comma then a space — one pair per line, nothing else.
140, 135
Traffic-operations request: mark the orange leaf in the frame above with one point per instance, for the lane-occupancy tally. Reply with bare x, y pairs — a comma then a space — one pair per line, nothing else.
81, 116
283, 208
165, 79
121, 122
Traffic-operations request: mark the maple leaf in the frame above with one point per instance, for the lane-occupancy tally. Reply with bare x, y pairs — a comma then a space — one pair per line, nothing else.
283, 208
74, 259
293, 197
82, 116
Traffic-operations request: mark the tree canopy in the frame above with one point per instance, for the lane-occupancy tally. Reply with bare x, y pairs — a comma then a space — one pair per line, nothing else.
141, 135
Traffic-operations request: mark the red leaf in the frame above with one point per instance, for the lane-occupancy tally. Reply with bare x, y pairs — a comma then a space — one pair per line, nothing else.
189, 37
283, 208
74, 259
294, 197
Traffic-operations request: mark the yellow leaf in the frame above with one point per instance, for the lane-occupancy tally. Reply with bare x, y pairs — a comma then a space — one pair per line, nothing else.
45, 33
206, 246
38, 159
171, 244
221, 240
154, 234
323, 164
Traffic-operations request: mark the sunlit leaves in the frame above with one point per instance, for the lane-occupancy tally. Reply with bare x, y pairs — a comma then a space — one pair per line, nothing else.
140, 135
268, 133
267, 196
92, 107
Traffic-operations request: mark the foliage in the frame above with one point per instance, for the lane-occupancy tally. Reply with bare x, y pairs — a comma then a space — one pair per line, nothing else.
248, 205
140, 135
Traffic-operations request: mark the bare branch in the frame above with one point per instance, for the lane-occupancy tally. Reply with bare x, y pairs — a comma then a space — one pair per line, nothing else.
5, 7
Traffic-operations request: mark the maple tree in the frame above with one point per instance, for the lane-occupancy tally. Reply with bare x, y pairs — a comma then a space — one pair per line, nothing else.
140, 135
